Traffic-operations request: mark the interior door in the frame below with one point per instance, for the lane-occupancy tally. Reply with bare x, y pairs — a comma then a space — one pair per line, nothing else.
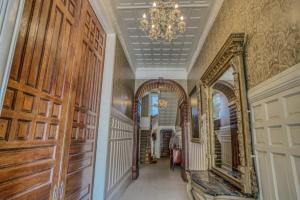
80, 151
33, 118
164, 147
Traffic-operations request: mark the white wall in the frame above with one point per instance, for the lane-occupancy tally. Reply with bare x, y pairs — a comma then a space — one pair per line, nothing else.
10, 18
275, 107
118, 175
104, 119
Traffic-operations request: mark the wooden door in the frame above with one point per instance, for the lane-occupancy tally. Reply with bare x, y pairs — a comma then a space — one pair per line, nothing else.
33, 119
164, 147
80, 151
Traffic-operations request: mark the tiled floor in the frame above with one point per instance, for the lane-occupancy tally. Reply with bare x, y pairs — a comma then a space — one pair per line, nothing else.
157, 182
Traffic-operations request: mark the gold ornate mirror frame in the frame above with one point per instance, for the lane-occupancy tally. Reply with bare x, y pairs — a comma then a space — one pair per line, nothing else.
231, 55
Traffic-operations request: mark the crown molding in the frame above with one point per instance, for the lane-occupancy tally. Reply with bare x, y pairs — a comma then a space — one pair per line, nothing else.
287, 79
165, 72
212, 17
102, 15
147, 6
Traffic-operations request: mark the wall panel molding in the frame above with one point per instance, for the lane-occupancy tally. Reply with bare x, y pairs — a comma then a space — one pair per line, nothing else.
276, 126
120, 143
198, 151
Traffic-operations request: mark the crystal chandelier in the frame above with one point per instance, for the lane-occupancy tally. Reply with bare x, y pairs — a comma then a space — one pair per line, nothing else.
162, 103
164, 21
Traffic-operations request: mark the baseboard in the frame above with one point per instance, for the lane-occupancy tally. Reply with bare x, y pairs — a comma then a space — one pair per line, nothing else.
116, 192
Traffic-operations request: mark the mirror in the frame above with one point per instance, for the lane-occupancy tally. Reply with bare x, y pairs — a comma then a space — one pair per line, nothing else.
229, 139
225, 125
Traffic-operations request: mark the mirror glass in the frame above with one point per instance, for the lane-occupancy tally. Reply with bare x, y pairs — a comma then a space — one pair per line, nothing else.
226, 148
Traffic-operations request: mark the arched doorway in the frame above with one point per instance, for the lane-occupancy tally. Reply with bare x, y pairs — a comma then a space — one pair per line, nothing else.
165, 85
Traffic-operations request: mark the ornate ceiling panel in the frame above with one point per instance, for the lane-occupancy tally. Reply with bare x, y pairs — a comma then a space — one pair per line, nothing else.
143, 52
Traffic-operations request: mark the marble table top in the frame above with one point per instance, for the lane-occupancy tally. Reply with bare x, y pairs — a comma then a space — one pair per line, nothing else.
215, 185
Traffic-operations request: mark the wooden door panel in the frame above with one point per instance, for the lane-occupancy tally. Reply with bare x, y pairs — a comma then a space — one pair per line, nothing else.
32, 121
81, 154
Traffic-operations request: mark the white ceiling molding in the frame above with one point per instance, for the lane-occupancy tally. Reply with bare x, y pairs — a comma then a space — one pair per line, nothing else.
166, 73
136, 6
213, 14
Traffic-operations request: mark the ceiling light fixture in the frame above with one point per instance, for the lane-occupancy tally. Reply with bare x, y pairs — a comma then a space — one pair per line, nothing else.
164, 21
162, 103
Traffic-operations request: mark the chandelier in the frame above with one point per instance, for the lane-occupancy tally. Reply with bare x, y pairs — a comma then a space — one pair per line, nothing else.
164, 21
162, 103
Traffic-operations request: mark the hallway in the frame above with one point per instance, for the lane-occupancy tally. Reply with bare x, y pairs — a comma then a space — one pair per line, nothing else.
157, 182
96, 95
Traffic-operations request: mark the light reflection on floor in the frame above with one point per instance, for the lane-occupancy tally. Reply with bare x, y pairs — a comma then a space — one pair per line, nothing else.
157, 182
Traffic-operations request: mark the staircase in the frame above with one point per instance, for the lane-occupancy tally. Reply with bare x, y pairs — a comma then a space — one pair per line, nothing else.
217, 146
165, 151
144, 139
218, 152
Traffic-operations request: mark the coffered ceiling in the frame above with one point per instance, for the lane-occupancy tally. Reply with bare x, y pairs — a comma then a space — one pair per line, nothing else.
181, 53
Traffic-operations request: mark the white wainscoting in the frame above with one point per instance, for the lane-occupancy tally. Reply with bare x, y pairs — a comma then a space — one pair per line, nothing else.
118, 175
275, 107
198, 152
197, 158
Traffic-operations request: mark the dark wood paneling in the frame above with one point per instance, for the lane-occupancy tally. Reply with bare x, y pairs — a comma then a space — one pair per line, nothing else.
51, 108
33, 119
80, 157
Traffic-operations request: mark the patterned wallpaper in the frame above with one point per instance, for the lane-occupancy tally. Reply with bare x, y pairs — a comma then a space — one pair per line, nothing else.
123, 84
273, 31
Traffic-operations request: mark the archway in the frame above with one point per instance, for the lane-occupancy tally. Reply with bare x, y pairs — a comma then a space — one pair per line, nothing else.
165, 85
